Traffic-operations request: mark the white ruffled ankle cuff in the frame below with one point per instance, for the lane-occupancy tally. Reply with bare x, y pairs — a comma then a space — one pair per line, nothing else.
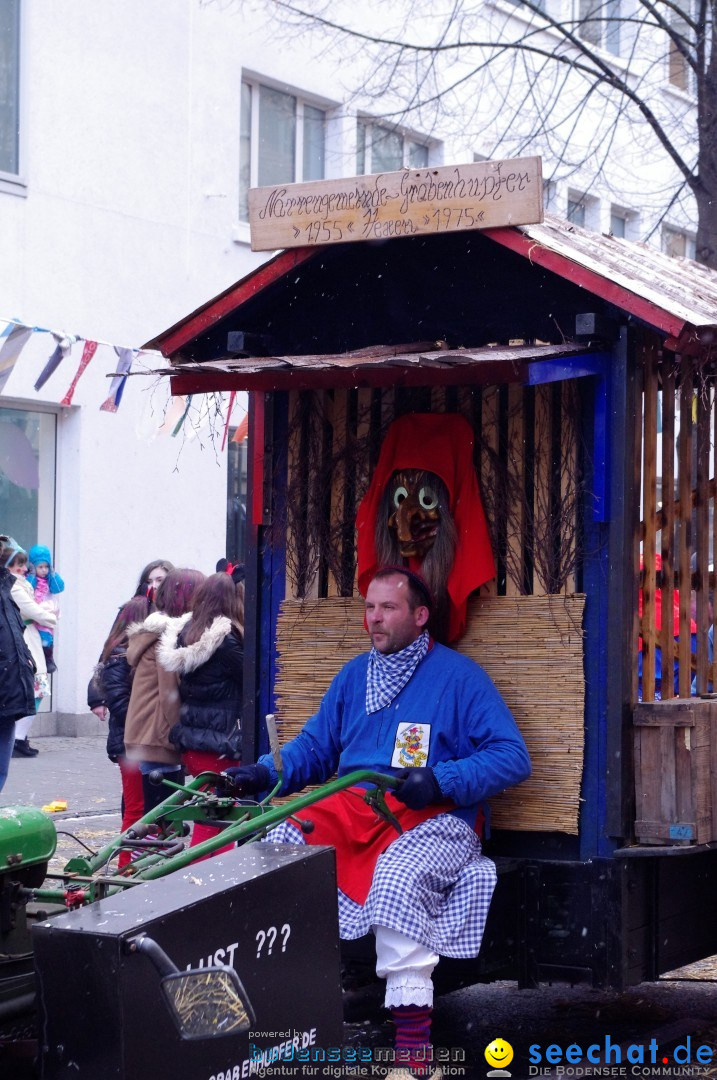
408, 988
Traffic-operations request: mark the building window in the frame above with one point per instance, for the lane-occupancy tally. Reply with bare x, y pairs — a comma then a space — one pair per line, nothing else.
576, 210
237, 494
281, 140
27, 475
382, 149
680, 72
10, 87
27, 481
599, 23
583, 210
618, 223
540, 4
677, 243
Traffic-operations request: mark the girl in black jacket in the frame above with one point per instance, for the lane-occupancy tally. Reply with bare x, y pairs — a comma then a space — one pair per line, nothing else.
207, 654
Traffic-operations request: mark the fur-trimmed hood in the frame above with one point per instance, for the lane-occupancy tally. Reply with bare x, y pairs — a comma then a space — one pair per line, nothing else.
185, 658
143, 635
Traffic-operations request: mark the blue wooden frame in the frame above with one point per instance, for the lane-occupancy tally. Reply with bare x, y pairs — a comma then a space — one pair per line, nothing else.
576, 367
273, 562
597, 405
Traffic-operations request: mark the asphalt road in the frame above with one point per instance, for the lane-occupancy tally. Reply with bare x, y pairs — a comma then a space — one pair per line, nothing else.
683, 1004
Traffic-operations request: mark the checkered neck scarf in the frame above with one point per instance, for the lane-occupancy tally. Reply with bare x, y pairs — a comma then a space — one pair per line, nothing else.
387, 675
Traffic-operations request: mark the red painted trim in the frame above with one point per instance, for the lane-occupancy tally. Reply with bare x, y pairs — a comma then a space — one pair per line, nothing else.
587, 279
482, 373
256, 445
169, 341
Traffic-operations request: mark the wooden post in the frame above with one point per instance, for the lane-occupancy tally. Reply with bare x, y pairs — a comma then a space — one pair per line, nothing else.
713, 496
632, 483
363, 435
569, 475
649, 514
336, 415
685, 526
293, 465
487, 477
541, 488
515, 465
667, 532
702, 515
438, 399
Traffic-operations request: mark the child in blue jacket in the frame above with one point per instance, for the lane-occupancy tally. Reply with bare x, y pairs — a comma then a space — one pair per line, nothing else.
46, 584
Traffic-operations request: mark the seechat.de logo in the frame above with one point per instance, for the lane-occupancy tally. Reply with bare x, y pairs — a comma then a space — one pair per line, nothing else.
499, 1053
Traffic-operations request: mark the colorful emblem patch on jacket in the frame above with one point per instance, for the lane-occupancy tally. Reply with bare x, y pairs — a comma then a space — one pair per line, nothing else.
411, 747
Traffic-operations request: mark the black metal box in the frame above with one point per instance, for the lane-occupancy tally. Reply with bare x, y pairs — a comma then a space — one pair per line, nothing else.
268, 911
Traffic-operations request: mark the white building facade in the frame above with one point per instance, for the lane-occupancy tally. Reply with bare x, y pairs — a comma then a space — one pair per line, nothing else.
130, 133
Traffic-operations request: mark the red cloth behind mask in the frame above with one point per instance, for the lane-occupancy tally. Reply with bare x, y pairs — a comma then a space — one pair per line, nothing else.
441, 443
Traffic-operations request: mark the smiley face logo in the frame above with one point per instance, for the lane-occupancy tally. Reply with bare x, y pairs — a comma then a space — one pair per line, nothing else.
499, 1053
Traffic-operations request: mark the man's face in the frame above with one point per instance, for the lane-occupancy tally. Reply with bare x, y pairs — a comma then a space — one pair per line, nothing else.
391, 623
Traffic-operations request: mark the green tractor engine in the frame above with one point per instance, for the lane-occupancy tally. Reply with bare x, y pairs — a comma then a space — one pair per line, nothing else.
27, 843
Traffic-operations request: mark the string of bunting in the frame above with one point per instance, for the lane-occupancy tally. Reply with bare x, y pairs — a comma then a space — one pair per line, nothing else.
15, 336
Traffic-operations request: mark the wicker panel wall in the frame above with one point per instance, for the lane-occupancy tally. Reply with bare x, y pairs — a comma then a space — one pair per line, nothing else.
531, 646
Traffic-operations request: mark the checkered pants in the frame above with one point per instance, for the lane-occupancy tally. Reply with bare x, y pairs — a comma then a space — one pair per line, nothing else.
432, 884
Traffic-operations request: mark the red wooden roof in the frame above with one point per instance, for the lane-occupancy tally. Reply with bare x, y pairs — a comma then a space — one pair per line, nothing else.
676, 296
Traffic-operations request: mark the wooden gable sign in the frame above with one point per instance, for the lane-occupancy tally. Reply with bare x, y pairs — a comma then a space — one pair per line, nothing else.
412, 202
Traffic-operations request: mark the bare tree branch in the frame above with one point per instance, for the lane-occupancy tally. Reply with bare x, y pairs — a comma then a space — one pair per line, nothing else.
529, 79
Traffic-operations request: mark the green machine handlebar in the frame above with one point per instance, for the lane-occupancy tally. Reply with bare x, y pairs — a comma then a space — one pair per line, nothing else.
241, 822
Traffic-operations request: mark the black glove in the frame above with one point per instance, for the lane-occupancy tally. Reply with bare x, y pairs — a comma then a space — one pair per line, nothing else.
249, 779
419, 788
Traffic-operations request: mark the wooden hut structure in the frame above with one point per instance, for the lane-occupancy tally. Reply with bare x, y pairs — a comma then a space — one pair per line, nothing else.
586, 367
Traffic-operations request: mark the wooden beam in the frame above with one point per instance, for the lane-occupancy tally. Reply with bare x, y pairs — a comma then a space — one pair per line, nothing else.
197, 382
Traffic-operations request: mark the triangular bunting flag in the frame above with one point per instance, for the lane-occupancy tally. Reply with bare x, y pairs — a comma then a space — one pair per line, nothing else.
126, 357
62, 349
15, 337
87, 353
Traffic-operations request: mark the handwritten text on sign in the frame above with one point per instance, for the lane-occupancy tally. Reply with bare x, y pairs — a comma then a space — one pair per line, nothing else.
407, 203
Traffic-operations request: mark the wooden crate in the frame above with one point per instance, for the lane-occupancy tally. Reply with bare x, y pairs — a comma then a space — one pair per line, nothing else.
674, 748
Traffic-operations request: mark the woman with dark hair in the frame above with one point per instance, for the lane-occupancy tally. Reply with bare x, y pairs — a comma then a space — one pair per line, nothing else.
152, 577
154, 702
112, 682
207, 656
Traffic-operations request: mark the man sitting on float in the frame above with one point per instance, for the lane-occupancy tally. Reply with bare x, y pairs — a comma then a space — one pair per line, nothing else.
417, 710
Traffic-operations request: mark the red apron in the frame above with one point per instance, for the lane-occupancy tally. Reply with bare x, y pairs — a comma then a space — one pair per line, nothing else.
360, 835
